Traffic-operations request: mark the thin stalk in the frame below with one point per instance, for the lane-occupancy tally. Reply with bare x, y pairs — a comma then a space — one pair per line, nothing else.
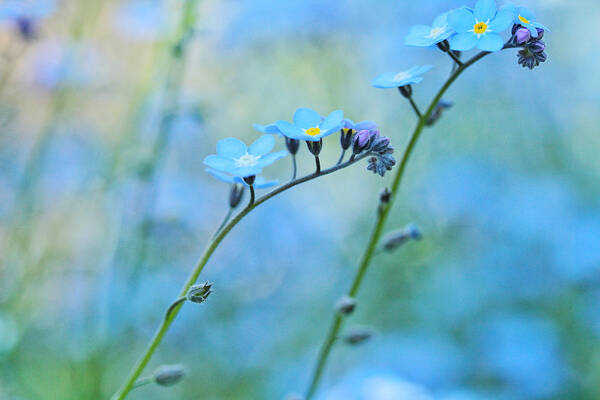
227, 216
455, 58
341, 157
142, 382
252, 195
379, 225
294, 167
193, 277
415, 107
317, 164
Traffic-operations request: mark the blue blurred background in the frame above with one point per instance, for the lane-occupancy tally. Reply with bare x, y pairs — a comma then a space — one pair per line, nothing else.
105, 205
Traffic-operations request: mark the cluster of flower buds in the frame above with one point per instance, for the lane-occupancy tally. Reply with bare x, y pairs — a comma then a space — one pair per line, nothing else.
532, 52
369, 140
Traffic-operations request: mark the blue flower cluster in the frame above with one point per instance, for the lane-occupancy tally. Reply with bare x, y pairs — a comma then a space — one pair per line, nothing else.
466, 28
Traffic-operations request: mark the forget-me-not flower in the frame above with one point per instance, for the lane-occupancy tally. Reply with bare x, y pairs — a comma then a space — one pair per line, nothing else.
259, 183
400, 79
234, 158
524, 17
426, 36
308, 125
479, 27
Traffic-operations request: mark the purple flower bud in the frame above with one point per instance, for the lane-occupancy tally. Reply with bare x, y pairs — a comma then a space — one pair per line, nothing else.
540, 32
362, 138
522, 35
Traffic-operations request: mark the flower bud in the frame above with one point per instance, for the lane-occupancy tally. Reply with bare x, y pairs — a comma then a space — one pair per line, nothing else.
236, 194
315, 147
522, 35
394, 240
385, 196
292, 145
406, 91
346, 138
363, 139
380, 144
345, 305
250, 180
358, 336
169, 375
199, 293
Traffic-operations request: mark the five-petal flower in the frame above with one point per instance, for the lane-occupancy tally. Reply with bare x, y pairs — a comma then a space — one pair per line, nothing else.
479, 27
399, 79
308, 125
233, 157
524, 17
259, 183
426, 36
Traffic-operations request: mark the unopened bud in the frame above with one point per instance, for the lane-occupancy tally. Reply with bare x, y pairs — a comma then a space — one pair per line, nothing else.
346, 138
315, 147
236, 194
292, 145
345, 305
395, 239
406, 91
199, 293
358, 336
385, 196
522, 35
169, 375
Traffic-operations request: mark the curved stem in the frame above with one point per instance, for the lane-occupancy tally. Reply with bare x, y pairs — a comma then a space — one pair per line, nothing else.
227, 216
415, 107
379, 225
212, 246
294, 167
341, 157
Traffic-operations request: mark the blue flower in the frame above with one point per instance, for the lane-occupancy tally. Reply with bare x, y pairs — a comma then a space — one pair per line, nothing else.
399, 79
524, 17
259, 183
425, 36
271, 129
17, 9
479, 27
308, 125
234, 158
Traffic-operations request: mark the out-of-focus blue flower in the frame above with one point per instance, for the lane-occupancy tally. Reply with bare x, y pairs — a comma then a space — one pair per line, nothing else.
479, 27
270, 129
142, 19
524, 17
34, 9
310, 126
233, 157
426, 36
399, 79
259, 183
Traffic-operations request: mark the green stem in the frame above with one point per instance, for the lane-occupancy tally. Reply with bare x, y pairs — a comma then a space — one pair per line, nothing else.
212, 246
379, 225
415, 107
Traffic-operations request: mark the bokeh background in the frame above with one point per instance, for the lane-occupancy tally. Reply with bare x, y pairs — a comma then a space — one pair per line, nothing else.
106, 116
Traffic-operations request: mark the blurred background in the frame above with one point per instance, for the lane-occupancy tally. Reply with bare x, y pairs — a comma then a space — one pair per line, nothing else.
107, 109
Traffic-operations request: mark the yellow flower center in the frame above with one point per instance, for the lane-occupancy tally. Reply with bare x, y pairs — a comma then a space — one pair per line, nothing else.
523, 20
480, 28
346, 130
313, 131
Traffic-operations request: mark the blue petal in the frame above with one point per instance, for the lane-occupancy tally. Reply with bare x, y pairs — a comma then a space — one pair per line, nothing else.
244, 172
306, 118
538, 25
333, 121
461, 20
490, 42
347, 123
220, 163
420, 70
231, 148
526, 13
485, 10
418, 36
365, 125
440, 21
221, 176
290, 130
503, 20
385, 81
262, 183
271, 158
510, 8
532, 30
272, 128
262, 145
463, 41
